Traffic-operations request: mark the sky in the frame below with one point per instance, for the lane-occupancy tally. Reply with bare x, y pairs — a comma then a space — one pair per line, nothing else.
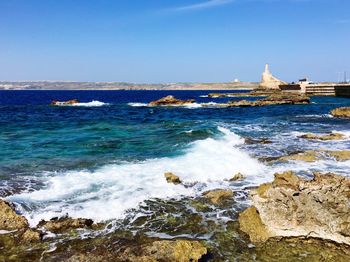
157, 41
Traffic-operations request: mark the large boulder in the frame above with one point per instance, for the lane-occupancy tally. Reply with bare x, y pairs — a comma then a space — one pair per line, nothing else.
341, 112
293, 207
171, 101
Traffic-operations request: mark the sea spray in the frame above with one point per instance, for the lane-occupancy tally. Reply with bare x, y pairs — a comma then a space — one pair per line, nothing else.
108, 192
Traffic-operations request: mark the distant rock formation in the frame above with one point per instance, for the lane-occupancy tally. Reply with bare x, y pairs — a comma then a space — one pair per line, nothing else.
269, 81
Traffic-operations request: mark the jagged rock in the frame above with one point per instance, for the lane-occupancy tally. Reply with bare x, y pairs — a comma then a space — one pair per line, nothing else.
59, 225
9, 220
171, 101
284, 98
171, 178
332, 136
218, 196
292, 207
268, 81
237, 177
341, 112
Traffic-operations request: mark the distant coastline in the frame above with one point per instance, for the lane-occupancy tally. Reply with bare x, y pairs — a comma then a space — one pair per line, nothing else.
71, 85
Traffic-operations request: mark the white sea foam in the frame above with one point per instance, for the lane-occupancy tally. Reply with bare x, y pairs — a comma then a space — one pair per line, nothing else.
108, 192
137, 104
93, 103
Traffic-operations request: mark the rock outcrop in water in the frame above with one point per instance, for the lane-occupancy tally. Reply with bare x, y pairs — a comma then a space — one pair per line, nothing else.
171, 101
317, 155
218, 196
332, 136
64, 103
59, 225
341, 112
292, 207
171, 178
275, 99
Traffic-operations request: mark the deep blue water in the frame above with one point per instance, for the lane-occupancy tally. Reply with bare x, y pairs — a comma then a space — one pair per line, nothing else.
38, 139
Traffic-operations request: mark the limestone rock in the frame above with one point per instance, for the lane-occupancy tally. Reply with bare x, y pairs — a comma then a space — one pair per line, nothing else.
9, 220
178, 250
237, 177
332, 136
294, 207
59, 225
341, 112
217, 196
171, 178
31, 235
171, 101
268, 81
316, 155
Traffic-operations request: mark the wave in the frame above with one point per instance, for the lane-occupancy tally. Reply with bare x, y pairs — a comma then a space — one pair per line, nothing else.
108, 192
137, 104
93, 103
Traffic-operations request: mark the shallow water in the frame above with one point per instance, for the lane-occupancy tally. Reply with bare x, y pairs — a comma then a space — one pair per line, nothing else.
105, 158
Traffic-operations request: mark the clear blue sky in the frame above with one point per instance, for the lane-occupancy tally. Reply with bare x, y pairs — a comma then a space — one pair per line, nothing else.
173, 40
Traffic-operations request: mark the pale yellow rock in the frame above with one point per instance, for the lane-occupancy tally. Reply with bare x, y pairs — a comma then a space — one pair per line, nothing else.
217, 196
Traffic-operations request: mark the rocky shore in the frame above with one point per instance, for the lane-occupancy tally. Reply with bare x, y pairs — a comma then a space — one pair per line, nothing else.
273, 99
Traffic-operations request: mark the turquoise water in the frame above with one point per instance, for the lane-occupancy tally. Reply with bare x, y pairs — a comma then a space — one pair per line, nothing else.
78, 159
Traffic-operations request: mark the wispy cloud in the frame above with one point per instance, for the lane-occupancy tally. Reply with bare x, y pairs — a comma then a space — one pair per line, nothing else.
202, 5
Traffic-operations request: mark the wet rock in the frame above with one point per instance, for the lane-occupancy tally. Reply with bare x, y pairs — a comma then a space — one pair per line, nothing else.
218, 196
171, 178
332, 136
343, 155
178, 250
251, 141
9, 219
171, 101
317, 155
292, 207
30, 235
306, 156
237, 177
59, 225
341, 112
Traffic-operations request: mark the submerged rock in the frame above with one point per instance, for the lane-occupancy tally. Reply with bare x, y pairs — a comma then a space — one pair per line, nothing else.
292, 207
251, 141
332, 136
9, 219
171, 101
218, 196
171, 178
59, 225
341, 112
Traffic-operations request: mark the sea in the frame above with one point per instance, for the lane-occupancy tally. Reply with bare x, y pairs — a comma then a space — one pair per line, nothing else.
105, 157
